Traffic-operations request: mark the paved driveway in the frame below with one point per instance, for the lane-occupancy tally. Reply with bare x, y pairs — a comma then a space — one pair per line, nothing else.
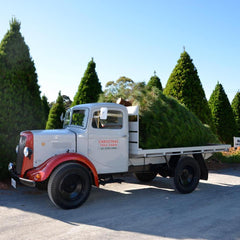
129, 211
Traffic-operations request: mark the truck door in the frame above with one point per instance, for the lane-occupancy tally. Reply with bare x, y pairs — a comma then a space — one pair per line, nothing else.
108, 140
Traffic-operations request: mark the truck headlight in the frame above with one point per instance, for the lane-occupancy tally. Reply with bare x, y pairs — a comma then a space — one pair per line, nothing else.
10, 166
27, 152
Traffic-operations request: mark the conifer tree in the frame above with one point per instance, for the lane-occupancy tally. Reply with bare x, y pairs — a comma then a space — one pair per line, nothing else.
54, 118
155, 82
222, 114
20, 105
184, 84
89, 88
236, 111
46, 109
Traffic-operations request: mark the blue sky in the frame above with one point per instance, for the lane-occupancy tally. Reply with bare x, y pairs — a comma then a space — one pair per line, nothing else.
131, 38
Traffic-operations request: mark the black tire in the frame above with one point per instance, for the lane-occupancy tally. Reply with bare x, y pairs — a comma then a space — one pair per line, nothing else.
187, 175
145, 176
69, 186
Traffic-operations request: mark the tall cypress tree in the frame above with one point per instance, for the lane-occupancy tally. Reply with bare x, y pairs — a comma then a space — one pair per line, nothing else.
54, 121
184, 84
222, 114
236, 111
155, 82
20, 105
46, 109
89, 88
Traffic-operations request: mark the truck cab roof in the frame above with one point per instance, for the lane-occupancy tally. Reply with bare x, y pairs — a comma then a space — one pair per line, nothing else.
97, 105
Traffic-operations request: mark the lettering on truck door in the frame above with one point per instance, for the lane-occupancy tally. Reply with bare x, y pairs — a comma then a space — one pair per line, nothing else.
108, 141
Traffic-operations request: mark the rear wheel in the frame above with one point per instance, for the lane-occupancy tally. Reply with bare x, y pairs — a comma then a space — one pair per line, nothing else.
145, 176
187, 175
69, 186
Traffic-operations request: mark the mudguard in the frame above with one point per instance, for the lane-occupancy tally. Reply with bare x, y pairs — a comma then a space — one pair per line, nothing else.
43, 171
203, 166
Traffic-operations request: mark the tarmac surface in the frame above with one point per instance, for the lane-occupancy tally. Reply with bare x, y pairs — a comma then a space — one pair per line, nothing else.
129, 210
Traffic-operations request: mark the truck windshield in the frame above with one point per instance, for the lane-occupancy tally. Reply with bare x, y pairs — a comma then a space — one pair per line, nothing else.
77, 117
67, 118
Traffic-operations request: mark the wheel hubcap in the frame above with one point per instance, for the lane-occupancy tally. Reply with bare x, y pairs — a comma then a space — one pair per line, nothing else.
186, 176
71, 187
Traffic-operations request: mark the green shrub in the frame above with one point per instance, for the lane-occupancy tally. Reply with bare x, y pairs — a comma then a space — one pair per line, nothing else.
122, 88
228, 157
165, 123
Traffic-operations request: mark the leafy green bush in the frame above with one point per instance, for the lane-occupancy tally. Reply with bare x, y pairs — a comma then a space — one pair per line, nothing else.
233, 156
164, 122
122, 88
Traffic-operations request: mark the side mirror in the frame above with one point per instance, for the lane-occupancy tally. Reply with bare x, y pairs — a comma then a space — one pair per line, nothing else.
62, 117
103, 113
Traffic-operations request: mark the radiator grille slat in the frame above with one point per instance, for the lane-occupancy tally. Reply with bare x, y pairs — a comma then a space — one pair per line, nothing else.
21, 146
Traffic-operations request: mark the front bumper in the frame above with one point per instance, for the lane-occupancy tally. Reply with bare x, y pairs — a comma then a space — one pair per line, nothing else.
27, 182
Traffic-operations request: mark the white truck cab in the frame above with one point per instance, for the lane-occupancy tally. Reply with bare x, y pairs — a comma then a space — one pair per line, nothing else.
100, 141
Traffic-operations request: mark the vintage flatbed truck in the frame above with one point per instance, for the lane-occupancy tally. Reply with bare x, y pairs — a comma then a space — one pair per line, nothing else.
99, 143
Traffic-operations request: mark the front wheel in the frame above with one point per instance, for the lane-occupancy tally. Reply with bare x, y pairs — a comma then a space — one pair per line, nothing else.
187, 175
69, 186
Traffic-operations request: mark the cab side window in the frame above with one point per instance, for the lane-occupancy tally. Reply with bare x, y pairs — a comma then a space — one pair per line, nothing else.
79, 118
114, 120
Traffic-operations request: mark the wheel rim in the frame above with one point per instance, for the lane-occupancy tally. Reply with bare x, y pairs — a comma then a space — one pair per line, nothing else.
187, 176
71, 187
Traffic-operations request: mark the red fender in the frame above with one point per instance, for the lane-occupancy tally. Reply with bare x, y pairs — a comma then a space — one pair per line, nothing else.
43, 171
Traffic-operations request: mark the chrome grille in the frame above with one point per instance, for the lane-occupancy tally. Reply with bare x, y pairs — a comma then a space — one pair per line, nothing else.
21, 146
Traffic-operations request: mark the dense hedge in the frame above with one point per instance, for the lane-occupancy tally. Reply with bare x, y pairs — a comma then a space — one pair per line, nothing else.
165, 123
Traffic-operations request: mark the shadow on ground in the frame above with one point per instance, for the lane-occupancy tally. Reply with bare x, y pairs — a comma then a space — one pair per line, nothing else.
152, 209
